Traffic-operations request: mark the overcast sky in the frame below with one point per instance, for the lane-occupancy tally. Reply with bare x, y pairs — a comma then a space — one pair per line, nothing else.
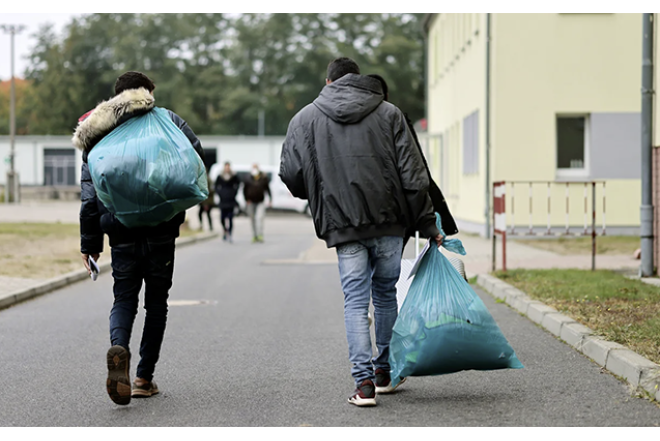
24, 41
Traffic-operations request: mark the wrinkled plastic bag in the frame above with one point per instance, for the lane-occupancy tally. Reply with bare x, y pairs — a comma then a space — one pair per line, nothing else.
443, 326
146, 171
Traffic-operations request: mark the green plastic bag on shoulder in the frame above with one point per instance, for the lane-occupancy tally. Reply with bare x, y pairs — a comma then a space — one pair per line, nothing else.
146, 171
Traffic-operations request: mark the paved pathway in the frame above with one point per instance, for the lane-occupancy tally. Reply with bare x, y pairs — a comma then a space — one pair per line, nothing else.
254, 344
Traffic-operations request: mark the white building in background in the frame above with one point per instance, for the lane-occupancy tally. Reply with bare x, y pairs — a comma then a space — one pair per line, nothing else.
49, 166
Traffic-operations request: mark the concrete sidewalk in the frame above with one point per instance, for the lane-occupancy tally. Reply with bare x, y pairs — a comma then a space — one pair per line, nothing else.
479, 257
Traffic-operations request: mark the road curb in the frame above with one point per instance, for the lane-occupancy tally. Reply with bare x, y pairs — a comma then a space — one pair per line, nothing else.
67, 279
638, 371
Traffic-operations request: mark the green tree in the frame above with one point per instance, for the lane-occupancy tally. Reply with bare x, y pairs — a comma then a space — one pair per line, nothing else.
219, 71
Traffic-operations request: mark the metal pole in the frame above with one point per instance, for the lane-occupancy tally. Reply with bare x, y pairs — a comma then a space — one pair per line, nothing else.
494, 236
504, 234
531, 227
647, 266
604, 201
488, 179
262, 122
513, 214
504, 251
567, 205
549, 232
11, 187
593, 226
12, 112
585, 232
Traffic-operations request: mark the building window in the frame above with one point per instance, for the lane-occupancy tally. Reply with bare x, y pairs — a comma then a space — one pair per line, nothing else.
572, 143
59, 167
471, 144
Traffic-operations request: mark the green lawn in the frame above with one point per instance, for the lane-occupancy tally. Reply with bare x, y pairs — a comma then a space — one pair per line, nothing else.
611, 245
617, 308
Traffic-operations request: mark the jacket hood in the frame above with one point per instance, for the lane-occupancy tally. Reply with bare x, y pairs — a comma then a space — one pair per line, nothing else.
350, 99
94, 125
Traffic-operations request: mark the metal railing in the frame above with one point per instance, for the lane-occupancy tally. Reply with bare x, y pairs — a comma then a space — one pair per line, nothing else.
500, 226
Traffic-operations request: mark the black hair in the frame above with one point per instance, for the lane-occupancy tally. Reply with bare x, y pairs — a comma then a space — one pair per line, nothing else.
382, 83
133, 80
340, 67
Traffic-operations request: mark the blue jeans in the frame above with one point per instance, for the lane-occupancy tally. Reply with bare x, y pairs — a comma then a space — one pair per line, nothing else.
369, 269
148, 259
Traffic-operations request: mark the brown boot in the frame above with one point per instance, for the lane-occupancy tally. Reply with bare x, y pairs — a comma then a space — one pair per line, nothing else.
144, 389
119, 381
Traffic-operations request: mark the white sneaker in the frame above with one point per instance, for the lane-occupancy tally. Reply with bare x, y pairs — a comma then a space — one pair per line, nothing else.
364, 395
384, 383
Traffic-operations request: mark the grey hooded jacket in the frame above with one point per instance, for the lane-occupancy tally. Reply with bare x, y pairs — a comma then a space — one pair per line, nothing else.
353, 157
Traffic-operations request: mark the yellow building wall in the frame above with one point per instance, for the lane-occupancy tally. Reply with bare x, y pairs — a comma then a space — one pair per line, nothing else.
541, 65
545, 64
457, 89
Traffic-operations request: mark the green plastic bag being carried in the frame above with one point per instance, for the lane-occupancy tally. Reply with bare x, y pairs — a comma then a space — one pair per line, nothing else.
146, 171
443, 326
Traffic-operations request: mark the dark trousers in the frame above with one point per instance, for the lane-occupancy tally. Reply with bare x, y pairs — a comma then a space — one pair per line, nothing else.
207, 209
227, 219
150, 259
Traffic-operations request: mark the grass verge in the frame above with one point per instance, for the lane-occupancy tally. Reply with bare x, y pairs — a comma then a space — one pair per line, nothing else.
45, 250
605, 245
39, 250
617, 308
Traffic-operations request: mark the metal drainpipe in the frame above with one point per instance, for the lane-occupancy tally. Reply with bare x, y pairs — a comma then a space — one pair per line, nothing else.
647, 267
487, 137
427, 86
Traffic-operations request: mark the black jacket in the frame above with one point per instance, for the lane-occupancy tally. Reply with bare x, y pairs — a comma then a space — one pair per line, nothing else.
95, 219
227, 190
255, 189
352, 155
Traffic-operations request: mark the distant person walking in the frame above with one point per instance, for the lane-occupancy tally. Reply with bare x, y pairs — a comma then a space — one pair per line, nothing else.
352, 156
255, 188
226, 187
207, 206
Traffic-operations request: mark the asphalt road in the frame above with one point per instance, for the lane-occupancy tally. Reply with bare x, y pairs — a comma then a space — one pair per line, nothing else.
266, 347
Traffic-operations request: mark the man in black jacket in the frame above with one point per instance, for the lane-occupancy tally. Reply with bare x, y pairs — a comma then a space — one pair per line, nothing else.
138, 254
352, 156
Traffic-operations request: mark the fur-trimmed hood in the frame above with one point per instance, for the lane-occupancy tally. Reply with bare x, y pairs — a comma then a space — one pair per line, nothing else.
109, 114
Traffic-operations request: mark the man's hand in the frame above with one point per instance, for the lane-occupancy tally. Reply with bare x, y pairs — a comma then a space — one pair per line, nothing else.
439, 239
85, 258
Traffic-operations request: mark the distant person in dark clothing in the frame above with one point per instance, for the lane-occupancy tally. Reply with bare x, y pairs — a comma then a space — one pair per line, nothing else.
226, 187
255, 188
207, 206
